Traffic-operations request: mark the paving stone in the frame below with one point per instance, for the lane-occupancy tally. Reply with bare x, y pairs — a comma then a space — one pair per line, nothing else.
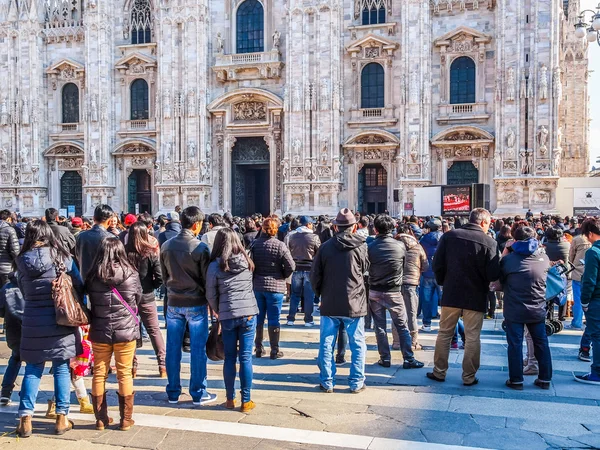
429, 420
561, 442
178, 440
489, 422
380, 427
556, 427
218, 413
591, 439
443, 437
281, 417
324, 413
505, 439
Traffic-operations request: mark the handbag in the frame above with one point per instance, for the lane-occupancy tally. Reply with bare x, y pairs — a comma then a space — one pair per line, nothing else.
215, 349
70, 311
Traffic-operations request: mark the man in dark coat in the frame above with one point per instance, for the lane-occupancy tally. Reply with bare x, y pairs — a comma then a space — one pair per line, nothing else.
9, 245
337, 277
11, 309
61, 233
88, 241
465, 263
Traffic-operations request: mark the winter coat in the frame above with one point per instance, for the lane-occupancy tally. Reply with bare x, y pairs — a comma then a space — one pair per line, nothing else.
303, 245
579, 247
112, 322
172, 229
501, 240
248, 238
87, 245
590, 281
274, 263
337, 275
558, 250
209, 237
150, 273
42, 339
184, 261
325, 233
523, 275
386, 263
415, 260
466, 262
430, 242
12, 305
230, 293
9, 247
64, 236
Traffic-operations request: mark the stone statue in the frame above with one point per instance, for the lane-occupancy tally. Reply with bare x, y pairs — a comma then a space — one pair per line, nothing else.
285, 164
94, 108
400, 165
191, 103
192, 152
324, 94
325, 152
339, 171
511, 138
498, 164
510, 85
426, 165
168, 150
3, 158
296, 146
276, 40
559, 137
203, 171
4, 112
542, 137
414, 88
208, 151
556, 154
543, 82
524, 162
220, 43
25, 157
557, 83
167, 104
530, 84
414, 146
94, 154
523, 85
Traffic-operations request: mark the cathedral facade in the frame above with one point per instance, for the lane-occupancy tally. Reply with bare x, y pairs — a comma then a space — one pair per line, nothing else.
287, 105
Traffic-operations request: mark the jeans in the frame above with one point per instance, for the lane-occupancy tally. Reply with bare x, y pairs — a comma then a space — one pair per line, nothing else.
411, 300
301, 288
124, 353
577, 309
31, 386
11, 373
240, 330
430, 288
269, 305
514, 337
460, 330
593, 329
196, 317
149, 315
330, 327
392, 301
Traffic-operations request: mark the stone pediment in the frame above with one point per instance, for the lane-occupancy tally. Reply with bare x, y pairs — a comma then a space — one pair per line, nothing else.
372, 41
372, 139
462, 34
135, 63
462, 135
65, 149
66, 69
135, 147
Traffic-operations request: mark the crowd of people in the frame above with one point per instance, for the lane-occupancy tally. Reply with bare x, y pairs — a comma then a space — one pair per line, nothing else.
235, 273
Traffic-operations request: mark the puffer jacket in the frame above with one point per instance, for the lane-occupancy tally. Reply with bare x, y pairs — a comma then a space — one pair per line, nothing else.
430, 242
303, 246
274, 263
112, 322
87, 245
42, 339
579, 246
415, 261
150, 273
9, 247
230, 293
386, 257
12, 305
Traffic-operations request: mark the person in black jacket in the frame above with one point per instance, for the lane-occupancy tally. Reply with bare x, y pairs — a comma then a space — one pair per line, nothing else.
172, 228
42, 339
337, 276
62, 234
184, 261
11, 309
9, 245
114, 291
523, 278
88, 241
145, 256
386, 258
465, 263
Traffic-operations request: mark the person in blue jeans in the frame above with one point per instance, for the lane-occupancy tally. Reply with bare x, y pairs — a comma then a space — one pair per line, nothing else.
184, 261
337, 277
429, 287
229, 293
590, 298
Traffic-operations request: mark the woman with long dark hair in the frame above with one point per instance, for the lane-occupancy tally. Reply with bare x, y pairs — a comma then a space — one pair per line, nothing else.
229, 292
115, 291
39, 263
143, 254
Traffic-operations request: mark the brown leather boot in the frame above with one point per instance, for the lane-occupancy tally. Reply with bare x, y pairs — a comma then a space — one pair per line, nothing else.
63, 424
258, 341
126, 411
101, 411
25, 429
51, 411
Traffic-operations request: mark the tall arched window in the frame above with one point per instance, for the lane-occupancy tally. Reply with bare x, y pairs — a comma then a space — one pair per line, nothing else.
250, 27
372, 86
70, 103
462, 80
373, 12
139, 100
141, 22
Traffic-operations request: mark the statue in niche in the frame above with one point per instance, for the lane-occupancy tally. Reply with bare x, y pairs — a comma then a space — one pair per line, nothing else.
285, 164
325, 152
296, 147
208, 151
276, 40
4, 112
557, 83
542, 137
510, 85
426, 165
524, 162
414, 88
25, 157
414, 146
530, 84
511, 138
220, 43
543, 82
400, 164
556, 154
339, 168
204, 168
94, 155
192, 153
523, 85
168, 150
498, 164
3, 158
94, 108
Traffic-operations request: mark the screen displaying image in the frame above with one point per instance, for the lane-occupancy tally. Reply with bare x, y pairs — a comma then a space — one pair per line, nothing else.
456, 199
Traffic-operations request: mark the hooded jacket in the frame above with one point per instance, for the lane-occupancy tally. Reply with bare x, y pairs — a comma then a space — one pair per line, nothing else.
430, 242
172, 229
112, 322
42, 339
274, 263
337, 275
303, 245
230, 293
386, 263
12, 305
415, 260
523, 276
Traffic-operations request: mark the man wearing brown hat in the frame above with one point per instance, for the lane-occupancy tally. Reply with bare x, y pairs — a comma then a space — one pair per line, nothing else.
337, 277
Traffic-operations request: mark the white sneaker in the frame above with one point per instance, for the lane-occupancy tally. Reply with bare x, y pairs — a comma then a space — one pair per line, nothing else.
206, 399
290, 323
309, 324
426, 329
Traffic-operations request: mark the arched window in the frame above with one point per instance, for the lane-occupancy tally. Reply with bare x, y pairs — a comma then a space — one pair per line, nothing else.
462, 80
141, 22
372, 87
373, 12
250, 27
70, 103
139, 100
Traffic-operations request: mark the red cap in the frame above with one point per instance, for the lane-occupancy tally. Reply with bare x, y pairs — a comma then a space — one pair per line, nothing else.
130, 219
76, 221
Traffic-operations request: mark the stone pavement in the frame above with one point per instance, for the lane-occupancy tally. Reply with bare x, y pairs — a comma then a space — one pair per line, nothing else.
400, 409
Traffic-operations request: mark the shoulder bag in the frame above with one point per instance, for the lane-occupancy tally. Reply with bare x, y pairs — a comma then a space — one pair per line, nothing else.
70, 310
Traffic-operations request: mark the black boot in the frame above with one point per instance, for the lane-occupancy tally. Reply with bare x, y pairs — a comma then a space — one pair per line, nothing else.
274, 340
258, 341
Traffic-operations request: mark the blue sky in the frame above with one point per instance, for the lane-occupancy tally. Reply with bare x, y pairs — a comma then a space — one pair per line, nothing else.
594, 91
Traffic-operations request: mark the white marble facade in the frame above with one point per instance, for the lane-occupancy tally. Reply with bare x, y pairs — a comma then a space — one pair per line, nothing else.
526, 127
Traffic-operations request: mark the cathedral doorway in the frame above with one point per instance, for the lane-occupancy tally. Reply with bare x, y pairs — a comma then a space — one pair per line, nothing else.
372, 189
139, 192
462, 172
250, 175
71, 192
